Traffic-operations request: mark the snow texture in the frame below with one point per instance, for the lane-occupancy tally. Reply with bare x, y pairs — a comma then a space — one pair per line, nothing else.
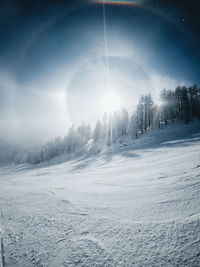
136, 206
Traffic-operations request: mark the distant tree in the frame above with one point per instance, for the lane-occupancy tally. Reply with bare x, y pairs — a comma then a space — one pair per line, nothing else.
181, 103
124, 121
185, 111
193, 94
133, 127
97, 135
140, 115
148, 109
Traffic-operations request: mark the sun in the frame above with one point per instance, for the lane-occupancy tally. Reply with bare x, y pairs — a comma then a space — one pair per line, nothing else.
111, 101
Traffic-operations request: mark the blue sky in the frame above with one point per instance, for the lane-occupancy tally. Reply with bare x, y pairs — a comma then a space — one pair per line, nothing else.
53, 68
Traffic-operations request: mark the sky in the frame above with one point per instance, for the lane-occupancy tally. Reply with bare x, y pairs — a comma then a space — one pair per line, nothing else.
70, 61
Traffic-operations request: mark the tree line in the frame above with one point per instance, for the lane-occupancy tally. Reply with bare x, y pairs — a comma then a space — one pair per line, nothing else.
182, 103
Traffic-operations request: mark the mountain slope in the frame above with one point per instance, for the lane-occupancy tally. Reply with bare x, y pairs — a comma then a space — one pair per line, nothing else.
136, 206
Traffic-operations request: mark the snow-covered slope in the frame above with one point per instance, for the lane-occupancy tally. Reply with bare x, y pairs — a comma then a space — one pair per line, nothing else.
136, 206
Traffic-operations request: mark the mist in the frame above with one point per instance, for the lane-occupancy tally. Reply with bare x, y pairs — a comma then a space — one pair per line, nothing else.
53, 70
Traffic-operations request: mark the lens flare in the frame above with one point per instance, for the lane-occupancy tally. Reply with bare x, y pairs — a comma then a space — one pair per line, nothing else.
118, 2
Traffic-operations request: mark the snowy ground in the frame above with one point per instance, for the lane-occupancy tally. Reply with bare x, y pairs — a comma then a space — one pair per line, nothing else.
137, 207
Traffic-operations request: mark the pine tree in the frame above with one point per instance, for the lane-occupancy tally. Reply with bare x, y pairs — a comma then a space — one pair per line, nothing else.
97, 132
133, 127
140, 115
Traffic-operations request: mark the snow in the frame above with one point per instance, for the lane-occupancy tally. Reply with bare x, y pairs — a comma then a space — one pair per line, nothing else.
136, 206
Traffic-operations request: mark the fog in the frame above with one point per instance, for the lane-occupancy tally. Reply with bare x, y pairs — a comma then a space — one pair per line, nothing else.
53, 68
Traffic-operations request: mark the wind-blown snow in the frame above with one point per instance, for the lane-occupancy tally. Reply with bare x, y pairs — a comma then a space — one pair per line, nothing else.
139, 206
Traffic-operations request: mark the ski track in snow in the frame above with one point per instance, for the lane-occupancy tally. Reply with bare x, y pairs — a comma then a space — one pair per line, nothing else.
137, 207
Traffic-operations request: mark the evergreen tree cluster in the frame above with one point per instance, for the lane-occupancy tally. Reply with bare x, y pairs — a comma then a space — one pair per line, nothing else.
70, 144
182, 103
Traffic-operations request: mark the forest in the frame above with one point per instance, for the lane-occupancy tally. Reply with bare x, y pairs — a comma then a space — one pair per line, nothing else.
182, 103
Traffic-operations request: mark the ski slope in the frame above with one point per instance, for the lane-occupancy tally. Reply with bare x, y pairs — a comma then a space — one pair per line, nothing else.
136, 206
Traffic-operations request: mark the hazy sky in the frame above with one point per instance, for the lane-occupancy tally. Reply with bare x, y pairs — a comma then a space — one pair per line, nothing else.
58, 59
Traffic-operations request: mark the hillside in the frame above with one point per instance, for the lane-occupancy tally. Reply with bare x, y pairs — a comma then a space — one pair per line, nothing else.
137, 205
